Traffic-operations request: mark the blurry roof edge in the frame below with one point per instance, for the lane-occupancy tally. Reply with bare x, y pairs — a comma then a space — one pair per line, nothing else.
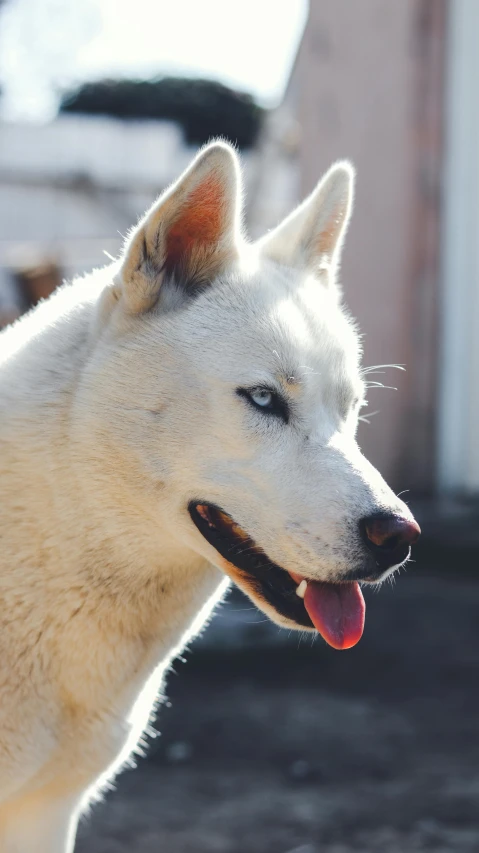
74, 151
88, 153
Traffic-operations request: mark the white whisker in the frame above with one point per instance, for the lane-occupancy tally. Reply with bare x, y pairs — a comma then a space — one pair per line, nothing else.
365, 418
374, 368
380, 385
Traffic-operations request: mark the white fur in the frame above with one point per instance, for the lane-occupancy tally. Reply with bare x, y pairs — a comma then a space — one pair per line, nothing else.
118, 406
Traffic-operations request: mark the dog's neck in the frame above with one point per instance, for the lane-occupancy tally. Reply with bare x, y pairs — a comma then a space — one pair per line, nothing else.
109, 540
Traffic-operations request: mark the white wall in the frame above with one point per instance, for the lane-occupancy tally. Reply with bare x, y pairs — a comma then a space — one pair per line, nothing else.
458, 445
71, 189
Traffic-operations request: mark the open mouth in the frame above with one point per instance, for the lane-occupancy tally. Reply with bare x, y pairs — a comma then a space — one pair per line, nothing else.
336, 610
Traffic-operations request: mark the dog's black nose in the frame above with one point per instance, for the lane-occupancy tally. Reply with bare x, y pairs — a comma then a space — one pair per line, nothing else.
389, 537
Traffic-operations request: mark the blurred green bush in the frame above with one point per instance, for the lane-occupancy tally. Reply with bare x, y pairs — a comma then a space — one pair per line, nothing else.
203, 108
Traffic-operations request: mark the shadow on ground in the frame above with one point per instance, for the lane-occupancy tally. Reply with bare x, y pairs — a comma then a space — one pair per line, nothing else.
287, 746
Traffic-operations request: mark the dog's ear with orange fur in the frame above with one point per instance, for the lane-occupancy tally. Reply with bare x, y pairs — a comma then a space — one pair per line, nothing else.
189, 235
311, 237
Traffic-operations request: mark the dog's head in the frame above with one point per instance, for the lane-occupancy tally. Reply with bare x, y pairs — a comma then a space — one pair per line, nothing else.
237, 375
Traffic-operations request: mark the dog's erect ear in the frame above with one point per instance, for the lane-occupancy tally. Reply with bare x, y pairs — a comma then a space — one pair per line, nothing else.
190, 234
311, 237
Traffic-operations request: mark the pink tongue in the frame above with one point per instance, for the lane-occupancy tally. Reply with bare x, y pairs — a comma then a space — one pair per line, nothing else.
337, 611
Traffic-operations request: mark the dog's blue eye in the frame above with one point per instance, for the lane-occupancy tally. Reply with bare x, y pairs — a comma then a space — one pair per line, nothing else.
267, 401
263, 398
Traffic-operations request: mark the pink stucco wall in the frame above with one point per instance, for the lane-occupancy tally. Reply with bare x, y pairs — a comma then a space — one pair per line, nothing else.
356, 83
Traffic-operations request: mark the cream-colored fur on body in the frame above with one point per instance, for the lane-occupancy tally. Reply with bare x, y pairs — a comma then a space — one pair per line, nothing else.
118, 406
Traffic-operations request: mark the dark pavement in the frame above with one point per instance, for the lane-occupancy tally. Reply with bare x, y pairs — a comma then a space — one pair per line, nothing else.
278, 744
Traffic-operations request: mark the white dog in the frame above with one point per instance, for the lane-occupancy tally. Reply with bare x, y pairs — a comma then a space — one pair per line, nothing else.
184, 414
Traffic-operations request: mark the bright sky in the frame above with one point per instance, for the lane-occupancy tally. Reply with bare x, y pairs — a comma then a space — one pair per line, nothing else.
49, 44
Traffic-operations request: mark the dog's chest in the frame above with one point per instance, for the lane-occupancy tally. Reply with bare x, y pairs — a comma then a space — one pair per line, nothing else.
113, 661
112, 677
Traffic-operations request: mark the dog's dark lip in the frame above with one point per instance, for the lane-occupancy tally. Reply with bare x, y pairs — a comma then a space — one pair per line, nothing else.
270, 581
375, 574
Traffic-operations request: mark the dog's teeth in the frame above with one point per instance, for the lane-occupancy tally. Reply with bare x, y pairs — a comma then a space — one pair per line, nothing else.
301, 589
